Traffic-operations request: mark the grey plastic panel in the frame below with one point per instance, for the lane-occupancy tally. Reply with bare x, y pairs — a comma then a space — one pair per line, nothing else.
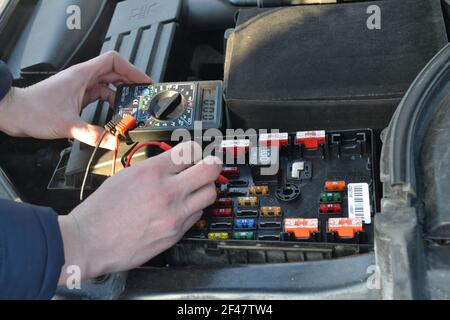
346, 278
142, 31
7, 189
148, 48
138, 14
51, 44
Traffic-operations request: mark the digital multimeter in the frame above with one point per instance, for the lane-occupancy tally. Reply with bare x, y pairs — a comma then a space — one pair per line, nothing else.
165, 107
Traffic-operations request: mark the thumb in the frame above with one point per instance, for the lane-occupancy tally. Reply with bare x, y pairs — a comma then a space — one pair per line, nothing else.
90, 134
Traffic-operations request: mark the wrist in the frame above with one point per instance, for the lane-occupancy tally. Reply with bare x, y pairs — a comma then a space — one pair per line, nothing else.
8, 108
76, 258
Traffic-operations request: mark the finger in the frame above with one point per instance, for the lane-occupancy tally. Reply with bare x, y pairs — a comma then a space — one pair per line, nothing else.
113, 78
188, 224
90, 134
200, 199
203, 173
101, 92
113, 62
179, 158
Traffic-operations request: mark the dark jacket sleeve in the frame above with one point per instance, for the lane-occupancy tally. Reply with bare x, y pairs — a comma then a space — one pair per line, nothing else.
31, 247
31, 251
5, 80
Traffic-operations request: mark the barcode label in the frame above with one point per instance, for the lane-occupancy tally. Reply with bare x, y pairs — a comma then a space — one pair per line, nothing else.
359, 202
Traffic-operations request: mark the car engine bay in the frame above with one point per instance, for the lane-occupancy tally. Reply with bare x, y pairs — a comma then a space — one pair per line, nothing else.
359, 146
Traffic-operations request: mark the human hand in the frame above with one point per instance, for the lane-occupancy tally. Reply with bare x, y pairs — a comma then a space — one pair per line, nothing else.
138, 213
51, 109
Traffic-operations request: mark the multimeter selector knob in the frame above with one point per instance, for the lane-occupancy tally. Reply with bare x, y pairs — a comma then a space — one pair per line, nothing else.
167, 105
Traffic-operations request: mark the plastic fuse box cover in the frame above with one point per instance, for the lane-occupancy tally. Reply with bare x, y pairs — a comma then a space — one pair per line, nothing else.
322, 196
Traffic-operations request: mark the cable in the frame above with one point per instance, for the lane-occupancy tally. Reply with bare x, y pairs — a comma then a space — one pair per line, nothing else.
162, 145
118, 126
88, 167
116, 152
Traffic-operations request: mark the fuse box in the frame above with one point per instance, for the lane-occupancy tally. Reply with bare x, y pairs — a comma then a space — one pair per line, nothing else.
321, 199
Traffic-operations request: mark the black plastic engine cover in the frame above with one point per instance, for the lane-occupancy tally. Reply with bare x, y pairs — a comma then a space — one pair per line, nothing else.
320, 66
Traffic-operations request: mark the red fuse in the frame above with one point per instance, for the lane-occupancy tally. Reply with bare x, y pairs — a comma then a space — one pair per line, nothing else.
222, 212
223, 202
330, 208
345, 227
274, 139
311, 139
230, 171
335, 186
235, 147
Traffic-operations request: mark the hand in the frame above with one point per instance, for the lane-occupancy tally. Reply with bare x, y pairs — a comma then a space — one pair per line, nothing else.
138, 213
51, 109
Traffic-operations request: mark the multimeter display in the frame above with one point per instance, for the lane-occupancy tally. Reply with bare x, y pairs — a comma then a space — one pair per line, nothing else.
171, 106
208, 104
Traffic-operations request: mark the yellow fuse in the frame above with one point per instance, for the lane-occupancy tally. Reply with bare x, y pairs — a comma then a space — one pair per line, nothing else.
218, 236
270, 211
259, 190
247, 201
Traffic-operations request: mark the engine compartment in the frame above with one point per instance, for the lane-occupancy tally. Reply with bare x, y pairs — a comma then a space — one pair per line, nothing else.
347, 104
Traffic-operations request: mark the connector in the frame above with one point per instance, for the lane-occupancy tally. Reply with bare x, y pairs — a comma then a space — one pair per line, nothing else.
335, 186
201, 224
270, 211
235, 147
311, 139
120, 126
330, 208
237, 184
244, 235
274, 139
245, 223
230, 172
223, 202
269, 225
247, 213
222, 212
259, 190
345, 227
330, 197
218, 236
221, 225
301, 228
247, 201
269, 237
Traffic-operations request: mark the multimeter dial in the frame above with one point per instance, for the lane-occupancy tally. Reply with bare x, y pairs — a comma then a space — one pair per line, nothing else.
170, 106
167, 105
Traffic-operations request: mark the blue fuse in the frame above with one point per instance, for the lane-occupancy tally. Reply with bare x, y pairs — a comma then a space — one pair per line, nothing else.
244, 223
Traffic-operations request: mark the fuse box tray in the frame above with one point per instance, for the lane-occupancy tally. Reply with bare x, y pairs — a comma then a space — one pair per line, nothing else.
286, 216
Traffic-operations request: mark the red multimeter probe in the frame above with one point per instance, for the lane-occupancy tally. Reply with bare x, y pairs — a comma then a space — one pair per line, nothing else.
164, 146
